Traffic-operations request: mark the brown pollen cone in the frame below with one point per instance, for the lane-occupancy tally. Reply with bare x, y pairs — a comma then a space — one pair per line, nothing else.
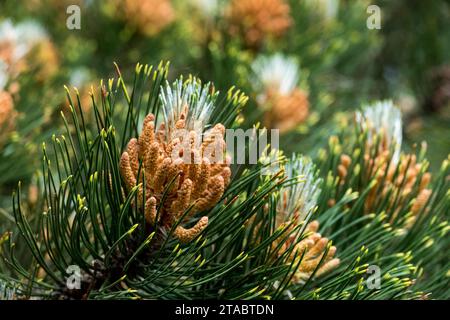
44, 57
312, 248
397, 184
257, 20
286, 111
188, 172
148, 16
7, 52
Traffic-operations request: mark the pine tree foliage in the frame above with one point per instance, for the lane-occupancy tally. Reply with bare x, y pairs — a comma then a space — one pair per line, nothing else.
301, 232
393, 188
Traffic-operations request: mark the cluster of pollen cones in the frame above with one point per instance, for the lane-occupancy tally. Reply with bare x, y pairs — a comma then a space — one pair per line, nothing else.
256, 20
149, 16
400, 182
184, 174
